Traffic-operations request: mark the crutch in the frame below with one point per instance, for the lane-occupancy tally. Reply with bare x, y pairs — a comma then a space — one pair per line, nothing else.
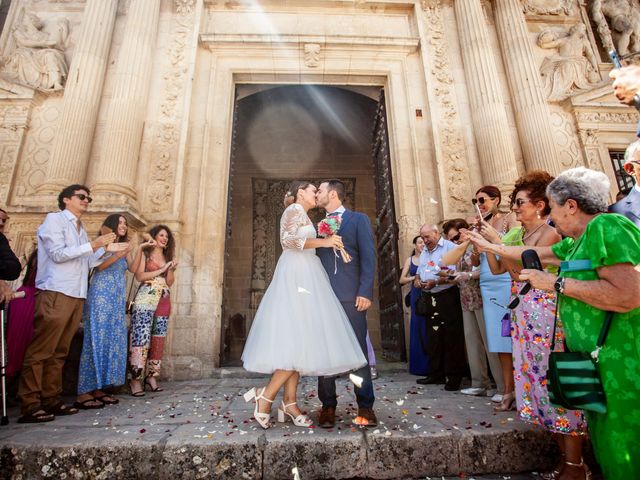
3, 361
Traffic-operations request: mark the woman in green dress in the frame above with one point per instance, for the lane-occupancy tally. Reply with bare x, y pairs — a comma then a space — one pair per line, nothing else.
599, 273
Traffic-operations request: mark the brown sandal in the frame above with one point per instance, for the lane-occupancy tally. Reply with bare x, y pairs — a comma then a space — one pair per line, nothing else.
39, 416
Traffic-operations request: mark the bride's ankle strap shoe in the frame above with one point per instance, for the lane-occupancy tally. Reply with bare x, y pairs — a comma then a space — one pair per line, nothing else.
583, 466
299, 421
261, 418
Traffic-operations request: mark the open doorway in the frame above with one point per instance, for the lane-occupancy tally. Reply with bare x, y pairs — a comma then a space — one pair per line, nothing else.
309, 132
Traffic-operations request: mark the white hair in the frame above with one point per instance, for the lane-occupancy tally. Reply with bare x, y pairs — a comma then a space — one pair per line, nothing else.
589, 188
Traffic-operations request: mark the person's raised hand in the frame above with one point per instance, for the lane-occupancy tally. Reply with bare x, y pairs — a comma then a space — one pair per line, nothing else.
490, 233
117, 247
539, 279
103, 240
626, 83
6, 294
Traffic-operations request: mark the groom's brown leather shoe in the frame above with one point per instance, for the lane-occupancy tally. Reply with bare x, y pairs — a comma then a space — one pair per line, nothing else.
366, 418
327, 417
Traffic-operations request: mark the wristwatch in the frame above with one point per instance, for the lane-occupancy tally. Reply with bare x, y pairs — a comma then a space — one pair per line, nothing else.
558, 286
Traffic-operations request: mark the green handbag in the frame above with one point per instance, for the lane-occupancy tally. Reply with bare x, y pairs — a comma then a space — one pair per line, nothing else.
573, 379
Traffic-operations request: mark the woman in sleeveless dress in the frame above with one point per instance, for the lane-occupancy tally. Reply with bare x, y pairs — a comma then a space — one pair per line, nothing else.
151, 310
418, 358
104, 349
300, 327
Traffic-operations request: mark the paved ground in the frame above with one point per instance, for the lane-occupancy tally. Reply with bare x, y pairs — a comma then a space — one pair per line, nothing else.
204, 429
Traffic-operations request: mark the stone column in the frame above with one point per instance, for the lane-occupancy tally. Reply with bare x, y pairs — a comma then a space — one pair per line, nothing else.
116, 171
531, 109
490, 123
74, 137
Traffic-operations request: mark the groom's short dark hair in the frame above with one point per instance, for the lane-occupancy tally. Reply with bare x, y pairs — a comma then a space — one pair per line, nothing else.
337, 186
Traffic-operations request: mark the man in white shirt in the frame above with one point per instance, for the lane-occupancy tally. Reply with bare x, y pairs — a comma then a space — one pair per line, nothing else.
64, 258
441, 299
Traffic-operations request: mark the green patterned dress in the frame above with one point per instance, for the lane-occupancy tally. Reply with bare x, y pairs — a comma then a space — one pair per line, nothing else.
609, 239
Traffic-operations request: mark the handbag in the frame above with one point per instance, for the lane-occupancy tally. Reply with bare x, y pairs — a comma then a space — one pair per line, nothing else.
573, 378
407, 299
422, 304
505, 325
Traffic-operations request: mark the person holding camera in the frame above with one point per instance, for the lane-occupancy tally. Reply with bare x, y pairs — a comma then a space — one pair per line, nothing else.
151, 310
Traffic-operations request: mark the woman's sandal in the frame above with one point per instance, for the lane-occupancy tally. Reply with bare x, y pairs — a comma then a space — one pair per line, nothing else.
261, 418
137, 393
587, 473
107, 399
157, 389
84, 404
39, 416
299, 421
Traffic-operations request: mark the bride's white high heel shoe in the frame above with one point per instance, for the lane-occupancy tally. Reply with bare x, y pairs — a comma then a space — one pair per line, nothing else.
261, 418
299, 421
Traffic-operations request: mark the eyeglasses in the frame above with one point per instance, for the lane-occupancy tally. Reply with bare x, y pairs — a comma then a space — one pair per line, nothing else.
481, 200
519, 202
83, 197
455, 238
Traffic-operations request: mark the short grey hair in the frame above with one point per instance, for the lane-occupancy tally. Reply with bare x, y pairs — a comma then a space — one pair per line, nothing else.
430, 227
589, 188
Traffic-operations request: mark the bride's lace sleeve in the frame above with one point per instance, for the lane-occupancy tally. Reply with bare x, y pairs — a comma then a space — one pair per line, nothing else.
293, 218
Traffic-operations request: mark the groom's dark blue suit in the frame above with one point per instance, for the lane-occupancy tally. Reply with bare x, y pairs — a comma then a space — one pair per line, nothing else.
351, 280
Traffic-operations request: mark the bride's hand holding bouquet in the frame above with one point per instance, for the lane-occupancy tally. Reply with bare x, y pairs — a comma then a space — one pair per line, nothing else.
328, 228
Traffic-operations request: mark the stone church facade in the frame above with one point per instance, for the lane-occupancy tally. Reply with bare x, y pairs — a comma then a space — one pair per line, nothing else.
196, 114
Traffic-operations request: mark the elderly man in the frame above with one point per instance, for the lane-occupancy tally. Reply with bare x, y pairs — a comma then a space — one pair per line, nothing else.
441, 298
630, 205
64, 258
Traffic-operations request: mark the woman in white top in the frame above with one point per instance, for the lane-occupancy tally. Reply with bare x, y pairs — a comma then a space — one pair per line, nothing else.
300, 327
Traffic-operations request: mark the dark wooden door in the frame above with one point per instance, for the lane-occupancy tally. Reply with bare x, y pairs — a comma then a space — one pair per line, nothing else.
390, 294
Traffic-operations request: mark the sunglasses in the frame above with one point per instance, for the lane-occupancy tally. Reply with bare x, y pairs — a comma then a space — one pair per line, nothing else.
516, 301
519, 202
455, 238
83, 197
481, 200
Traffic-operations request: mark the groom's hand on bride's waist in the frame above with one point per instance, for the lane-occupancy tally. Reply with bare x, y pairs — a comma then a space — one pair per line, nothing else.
362, 303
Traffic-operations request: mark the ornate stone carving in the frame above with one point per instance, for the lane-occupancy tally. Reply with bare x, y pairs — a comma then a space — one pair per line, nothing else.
312, 55
618, 24
35, 54
574, 68
409, 226
591, 146
164, 150
455, 169
607, 117
564, 133
547, 7
184, 7
13, 123
34, 159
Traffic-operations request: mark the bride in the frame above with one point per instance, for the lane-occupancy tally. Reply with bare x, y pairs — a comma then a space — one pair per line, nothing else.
300, 327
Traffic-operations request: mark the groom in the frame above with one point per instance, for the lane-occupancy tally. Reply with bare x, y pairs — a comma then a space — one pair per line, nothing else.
353, 285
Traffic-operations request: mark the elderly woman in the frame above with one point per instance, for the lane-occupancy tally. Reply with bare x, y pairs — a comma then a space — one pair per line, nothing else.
610, 245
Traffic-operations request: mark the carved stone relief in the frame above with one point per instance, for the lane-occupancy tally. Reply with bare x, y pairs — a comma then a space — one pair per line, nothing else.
312, 55
34, 55
608, 117
452, 146
166, 134
564, 134
618, 24
547, 7
573, 68
589, 139
14, 120
37, 149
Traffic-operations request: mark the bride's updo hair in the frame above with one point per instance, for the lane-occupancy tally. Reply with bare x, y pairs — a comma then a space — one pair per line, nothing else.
291, 195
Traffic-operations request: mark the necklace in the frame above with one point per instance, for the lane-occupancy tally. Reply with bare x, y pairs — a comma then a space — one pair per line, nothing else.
526, 234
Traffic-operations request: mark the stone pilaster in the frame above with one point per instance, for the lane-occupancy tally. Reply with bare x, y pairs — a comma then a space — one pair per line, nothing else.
531, 110
74, 137
490, 124
115, 174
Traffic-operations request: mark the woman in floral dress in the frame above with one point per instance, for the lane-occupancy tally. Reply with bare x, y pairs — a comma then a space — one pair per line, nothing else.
104, 350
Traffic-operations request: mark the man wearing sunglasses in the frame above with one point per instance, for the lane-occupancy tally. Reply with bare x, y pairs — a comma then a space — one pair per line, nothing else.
65, 255
630, 205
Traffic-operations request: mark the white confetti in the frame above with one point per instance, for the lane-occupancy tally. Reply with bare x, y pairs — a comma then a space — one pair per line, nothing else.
356, 380
400, 403
433, 200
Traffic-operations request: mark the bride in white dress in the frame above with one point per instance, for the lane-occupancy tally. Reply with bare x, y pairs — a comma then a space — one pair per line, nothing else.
300, 327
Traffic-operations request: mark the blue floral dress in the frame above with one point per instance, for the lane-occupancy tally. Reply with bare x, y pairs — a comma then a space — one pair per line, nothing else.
104, 350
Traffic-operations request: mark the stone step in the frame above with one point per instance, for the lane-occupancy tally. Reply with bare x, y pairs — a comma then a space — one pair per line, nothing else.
204, 429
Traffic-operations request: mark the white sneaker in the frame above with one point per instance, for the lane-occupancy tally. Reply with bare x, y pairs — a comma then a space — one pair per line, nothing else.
497, 398
477, 391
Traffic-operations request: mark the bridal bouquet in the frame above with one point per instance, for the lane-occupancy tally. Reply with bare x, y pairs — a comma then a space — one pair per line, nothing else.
330, 226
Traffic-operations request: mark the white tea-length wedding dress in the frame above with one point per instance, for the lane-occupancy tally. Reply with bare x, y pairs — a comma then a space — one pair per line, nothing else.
300, 324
